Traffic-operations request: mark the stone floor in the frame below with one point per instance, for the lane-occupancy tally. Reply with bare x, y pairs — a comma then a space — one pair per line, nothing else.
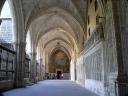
51, 88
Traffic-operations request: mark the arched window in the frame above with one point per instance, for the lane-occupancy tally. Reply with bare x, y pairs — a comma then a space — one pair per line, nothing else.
96, 5
28, 43
6, 33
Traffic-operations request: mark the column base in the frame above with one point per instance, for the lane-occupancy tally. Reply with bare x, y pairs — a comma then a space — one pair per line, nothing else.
122, 85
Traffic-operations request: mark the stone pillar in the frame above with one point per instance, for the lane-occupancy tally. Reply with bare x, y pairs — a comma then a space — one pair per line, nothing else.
122, 46
20, 64
119, 39
41, 69
72, 70
75, 70
33, 67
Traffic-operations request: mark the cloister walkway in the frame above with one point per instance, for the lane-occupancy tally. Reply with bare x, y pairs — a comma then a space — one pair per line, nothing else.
51, 88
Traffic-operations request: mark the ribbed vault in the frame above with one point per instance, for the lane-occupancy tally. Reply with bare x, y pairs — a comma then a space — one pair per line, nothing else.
55, 27
40, 8
57, 20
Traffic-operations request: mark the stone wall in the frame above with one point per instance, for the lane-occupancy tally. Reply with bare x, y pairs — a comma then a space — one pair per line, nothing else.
90, 70
100, 58
7, 67
94, 69
5, 85
80, 70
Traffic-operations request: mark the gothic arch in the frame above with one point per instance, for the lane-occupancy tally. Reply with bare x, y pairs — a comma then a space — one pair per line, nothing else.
73, 26
42, 6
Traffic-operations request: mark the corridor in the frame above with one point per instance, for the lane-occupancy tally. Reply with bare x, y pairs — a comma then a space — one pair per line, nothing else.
54, 41
51, 88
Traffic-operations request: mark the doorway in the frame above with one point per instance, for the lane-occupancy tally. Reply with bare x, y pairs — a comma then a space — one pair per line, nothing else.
59, 74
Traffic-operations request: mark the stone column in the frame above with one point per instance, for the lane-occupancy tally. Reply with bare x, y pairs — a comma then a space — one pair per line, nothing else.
20, 64
33, 67
75, 70
122, 45
41, 69
120, 39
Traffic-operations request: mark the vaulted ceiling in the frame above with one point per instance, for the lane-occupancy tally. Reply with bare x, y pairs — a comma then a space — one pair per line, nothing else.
53, 24
56, 24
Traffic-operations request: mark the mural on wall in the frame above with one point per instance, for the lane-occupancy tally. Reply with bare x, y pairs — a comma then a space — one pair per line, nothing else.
59, 60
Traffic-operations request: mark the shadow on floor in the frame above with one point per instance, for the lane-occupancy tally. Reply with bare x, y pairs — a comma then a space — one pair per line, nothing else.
1, 94
51, 88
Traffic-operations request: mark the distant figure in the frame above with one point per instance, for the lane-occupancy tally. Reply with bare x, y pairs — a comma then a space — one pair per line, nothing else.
59, 73
58, 76
62, 76
54, 76
48, 77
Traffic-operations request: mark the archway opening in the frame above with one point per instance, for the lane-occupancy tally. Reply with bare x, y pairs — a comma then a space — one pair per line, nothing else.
6, 27
7, 52
28, 43
59, 64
